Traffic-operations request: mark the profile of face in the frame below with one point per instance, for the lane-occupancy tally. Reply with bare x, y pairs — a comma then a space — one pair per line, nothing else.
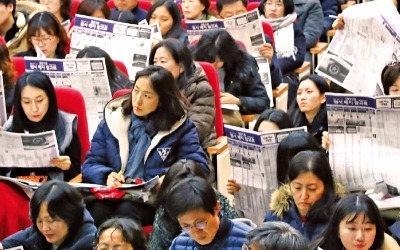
54, 6
46, 42
164, 19
5, 13
232, 9
112, 238
357, 233
163, 58
266, 126
125, 4
34, 102
308, 98
55, 230
192, 9
395, 88
274, 9
144, 98
306, 189
200, 225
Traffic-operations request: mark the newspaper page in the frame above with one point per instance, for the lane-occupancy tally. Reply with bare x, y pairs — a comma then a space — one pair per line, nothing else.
128, 43
88, 75
364, 141
358, 53
3, 110
245, 28
22, 150
253, 162
16, 248
29, 187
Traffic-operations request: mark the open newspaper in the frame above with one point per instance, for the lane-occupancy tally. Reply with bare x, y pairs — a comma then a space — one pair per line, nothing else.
357, 54
128, 43
245, 28
15, 248
365, 143
3, 111
88, 75
253, 161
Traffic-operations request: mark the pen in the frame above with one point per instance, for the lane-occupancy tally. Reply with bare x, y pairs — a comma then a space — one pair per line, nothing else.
333, 16
119, 175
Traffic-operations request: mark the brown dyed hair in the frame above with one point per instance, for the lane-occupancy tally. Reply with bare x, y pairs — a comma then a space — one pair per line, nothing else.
7, 67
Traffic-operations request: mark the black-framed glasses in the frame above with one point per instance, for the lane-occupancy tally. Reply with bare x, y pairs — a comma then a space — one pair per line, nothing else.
198, 224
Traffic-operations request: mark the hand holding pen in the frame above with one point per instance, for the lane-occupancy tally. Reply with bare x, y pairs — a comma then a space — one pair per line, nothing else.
115, 179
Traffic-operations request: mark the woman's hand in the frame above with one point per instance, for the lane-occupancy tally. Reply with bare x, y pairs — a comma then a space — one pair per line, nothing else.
1, 246
232, 187
227, 98
338, 24
325, 140
115, 180
62, 162
267, 51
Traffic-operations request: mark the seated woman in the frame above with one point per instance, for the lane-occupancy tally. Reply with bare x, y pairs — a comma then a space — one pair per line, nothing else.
165, 228
8, 73
197, 10
59, 218
123, 16
290, 43
168, 16
116, 79
390, 78
310, 107
61, 10
120, 233
45, 33
240, 83
94, 8
174, 56
356, 223
142, 135
306, 201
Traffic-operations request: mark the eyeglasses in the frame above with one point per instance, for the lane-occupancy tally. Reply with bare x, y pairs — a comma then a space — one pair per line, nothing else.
44, 40
199, 225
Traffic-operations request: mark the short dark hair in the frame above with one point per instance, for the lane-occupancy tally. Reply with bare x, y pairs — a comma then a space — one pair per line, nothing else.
48, 22
198, 193
288, 7
353, 205
132, 233
20, 121
88, 7
181, 55
277, 235
389, 75
221, 3
277, 116
172, 105
63, 201
173, 9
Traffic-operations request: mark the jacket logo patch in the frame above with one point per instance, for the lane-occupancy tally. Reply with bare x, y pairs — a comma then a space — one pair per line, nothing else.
163, 152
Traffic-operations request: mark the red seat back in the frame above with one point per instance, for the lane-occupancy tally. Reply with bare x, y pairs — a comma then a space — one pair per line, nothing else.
74, 7
19, 65
212, 76
121, 92
121, 66
71, 100
252, 5
267, 30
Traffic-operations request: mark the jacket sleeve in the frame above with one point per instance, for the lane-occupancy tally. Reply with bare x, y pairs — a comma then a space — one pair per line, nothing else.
290, 64
18, 239
74, 152
96, 167
274, 67
314, 23
329, 7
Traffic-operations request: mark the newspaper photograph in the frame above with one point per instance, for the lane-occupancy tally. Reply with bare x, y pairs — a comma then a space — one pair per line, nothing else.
358, 53
128, 43
253, 162
3, 110
20, 150
364, 140
88, 75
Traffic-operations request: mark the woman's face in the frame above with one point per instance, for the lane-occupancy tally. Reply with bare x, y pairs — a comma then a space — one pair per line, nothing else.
144, 98
53, 6
274, 9
306, 189
46, 42
55, 230
34, 102
163, 58
266, 126
192, 9
164, 19
112, 238
309, 99
395, 88
358, 234
99, 14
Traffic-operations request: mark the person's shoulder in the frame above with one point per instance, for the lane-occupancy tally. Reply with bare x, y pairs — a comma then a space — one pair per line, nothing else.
182, 241
26, 53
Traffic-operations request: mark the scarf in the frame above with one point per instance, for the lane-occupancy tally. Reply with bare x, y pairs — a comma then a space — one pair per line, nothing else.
139, 141
284, 35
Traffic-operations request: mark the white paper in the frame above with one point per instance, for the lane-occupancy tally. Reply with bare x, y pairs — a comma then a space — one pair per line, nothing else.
3, 110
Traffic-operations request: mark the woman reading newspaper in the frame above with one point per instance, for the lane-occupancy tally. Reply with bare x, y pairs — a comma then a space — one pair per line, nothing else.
35, 110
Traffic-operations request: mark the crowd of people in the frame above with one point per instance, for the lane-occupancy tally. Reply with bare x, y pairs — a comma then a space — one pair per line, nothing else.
163, 127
